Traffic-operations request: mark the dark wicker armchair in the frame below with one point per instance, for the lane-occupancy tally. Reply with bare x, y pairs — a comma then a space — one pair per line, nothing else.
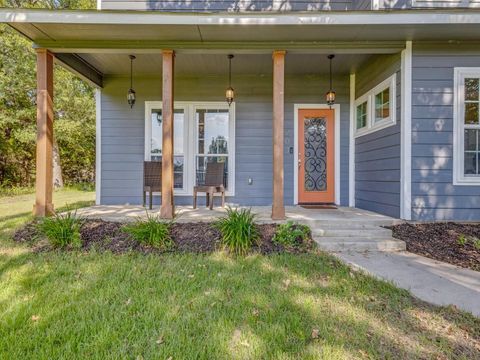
214, 180
152, 180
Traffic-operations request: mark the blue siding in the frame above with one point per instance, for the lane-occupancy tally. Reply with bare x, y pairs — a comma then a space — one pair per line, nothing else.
434, 197
377, 154
123, 133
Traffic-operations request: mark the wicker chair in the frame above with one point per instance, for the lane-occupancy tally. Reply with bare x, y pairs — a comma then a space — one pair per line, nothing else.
214, 180
152, 179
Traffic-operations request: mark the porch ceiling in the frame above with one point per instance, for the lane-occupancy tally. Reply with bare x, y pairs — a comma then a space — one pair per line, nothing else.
216, 64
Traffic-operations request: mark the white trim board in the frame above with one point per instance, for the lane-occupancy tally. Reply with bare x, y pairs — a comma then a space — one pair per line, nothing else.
351, 150
336, 108
406, 134
98, 146
327, 19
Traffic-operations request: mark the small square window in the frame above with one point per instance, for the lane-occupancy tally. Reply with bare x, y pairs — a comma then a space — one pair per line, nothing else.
471, 89
362, 115
382, 105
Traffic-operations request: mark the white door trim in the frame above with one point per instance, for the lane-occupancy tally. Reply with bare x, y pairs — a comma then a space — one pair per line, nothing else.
335, 107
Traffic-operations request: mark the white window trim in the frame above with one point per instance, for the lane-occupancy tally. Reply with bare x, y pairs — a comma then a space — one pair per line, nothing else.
190, 141
373, 126
460, 73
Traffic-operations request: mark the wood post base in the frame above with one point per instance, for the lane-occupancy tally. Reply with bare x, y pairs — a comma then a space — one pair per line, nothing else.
43, 210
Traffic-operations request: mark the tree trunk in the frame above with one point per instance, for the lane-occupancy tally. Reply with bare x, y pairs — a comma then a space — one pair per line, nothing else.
57, 167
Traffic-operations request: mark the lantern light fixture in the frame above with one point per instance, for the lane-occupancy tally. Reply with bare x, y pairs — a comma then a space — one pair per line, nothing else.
131, 96
330, 96
230, 93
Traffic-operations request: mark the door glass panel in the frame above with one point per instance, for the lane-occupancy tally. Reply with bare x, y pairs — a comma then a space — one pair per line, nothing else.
315, 154
156, 143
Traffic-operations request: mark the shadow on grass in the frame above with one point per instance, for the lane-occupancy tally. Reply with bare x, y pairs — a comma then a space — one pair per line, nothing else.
216, 307
10, 222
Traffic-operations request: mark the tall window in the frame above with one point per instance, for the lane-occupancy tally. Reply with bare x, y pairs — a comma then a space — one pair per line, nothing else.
212, 141
156, 143
204, 132
467, 127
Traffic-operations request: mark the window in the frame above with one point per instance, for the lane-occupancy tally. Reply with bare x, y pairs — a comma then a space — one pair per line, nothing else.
376, 109
212, 141
362, 113
203, 133
179, 151
466, 154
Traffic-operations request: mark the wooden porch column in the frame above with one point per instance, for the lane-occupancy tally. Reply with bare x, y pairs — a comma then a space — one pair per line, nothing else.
278, 208
44, 167
167, 209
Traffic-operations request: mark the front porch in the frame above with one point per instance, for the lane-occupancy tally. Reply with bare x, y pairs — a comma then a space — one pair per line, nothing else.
125, 213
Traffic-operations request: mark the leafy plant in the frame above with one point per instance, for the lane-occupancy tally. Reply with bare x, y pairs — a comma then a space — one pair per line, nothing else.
238, 229
462, 240
291, 234
476, 243
62, 230
151, 231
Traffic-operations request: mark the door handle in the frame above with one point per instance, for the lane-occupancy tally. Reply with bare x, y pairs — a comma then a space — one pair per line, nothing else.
299, 160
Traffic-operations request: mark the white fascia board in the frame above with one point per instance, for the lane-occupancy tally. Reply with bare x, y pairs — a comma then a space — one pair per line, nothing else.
399, 17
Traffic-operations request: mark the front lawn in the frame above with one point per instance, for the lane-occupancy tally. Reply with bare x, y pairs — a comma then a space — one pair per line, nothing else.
91, 304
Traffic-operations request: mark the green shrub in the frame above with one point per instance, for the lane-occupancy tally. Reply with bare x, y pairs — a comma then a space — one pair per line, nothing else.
476, 244
62, 230
462, 240
151, 231
291, 234
238, 229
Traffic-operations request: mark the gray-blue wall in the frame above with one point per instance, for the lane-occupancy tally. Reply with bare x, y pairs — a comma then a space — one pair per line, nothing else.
434, 197
377, 154
122, 133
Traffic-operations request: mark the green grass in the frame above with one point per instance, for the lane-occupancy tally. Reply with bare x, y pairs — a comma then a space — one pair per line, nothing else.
15, 210
94, 305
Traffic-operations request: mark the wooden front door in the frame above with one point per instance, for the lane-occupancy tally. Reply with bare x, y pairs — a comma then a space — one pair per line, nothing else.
316, 156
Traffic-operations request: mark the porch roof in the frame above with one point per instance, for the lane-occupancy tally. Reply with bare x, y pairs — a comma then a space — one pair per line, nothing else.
86, 31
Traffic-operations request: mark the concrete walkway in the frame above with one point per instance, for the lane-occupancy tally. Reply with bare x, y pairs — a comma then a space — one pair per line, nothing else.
433, 281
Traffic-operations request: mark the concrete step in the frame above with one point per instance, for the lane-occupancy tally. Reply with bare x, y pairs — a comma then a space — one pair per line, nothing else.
346, 223
360, 244
370, 231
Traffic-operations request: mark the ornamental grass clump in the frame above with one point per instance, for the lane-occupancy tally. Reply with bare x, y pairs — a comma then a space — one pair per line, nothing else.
62, 230
151, 231
238, 230
291, 234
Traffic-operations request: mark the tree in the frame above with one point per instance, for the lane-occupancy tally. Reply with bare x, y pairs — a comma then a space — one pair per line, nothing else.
74, 107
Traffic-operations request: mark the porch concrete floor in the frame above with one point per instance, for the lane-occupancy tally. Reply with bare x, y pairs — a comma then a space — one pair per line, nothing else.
430, 280
188, 214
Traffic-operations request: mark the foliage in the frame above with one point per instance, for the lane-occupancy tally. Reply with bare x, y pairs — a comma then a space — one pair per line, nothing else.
62, 230
74, 107
462, 240
476, 244
291, 234
238, 230
151, 231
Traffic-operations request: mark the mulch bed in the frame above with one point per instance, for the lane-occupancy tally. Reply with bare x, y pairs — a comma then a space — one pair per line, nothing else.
440, 241
187, 237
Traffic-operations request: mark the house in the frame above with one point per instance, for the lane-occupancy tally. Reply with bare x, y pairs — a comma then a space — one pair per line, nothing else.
401, 137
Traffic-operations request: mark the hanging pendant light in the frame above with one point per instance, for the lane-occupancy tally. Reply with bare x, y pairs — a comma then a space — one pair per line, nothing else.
230, 93
330, 96
131, 93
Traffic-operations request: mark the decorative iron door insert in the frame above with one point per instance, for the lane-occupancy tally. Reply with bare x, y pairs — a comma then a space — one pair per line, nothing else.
316, 156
